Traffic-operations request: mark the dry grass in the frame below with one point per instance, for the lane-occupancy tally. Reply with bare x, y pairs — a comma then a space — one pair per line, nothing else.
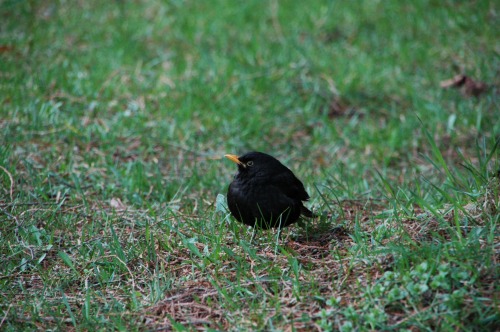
202, 293
114, 115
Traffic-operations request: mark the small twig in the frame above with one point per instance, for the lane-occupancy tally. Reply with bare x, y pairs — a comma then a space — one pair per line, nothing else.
5, 316
275, 20
10, 216
107, 81
25, 204
124, 264
11, 181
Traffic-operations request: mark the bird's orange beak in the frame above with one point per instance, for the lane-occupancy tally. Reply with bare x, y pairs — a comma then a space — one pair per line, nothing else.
233, 158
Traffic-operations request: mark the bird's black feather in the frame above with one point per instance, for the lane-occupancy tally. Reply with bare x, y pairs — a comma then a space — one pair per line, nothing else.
265, 193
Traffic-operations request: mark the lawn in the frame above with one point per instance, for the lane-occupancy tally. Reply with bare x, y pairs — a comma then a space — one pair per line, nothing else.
114, 120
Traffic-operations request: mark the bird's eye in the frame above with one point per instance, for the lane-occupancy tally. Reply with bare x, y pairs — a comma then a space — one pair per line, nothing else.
250, 163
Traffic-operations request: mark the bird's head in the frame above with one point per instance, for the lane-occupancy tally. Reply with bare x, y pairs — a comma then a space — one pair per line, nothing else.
253, 163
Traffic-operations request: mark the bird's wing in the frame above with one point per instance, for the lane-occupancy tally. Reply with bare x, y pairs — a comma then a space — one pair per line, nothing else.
291, 186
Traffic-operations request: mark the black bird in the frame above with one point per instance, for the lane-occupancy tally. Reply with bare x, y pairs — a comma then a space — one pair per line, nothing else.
265, 193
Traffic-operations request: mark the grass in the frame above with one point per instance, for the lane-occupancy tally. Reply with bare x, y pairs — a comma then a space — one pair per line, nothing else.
114, 118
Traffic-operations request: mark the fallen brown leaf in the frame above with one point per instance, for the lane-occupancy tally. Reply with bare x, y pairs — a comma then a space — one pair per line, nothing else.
336, 109
6, 48
117, 204
468, 87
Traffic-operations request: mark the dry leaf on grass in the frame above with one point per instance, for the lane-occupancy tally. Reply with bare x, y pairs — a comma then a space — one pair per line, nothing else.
6, 49
336, 108
117, 204
468, 87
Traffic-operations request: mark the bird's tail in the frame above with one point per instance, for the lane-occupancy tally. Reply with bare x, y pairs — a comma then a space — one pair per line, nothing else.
306, 212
